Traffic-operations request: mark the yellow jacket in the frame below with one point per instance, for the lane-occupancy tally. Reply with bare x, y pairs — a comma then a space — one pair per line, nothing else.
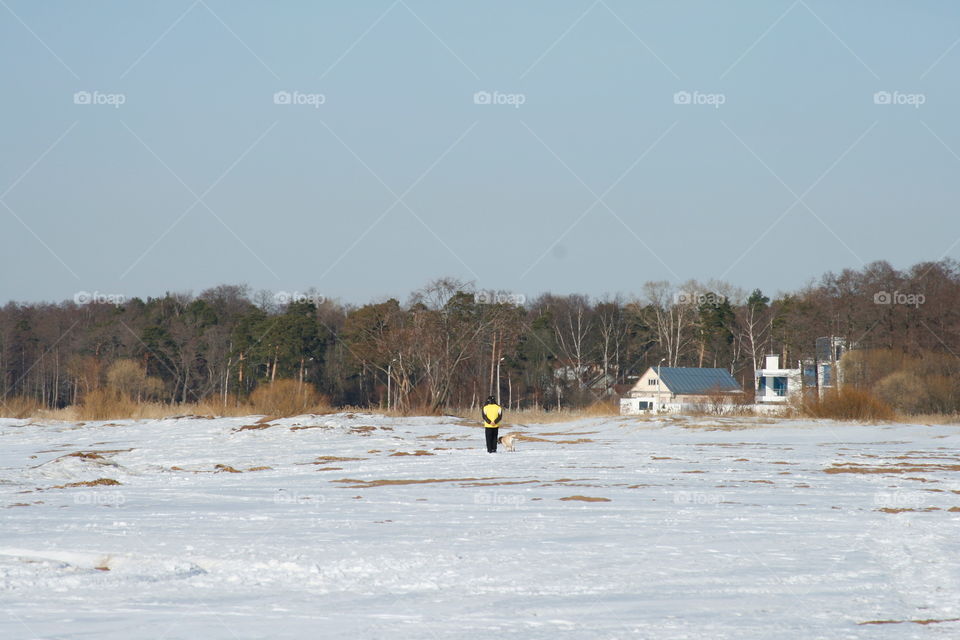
491, 415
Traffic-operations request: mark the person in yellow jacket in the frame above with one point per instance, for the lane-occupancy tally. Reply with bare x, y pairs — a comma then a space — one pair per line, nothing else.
492, 413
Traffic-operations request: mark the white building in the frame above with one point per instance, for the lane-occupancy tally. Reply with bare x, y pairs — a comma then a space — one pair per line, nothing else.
674, 389
775, 385
829, 351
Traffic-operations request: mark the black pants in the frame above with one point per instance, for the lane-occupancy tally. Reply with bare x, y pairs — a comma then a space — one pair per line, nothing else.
491, 439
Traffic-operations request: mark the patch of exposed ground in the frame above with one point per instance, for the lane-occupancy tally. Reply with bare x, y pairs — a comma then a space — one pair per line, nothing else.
852, 467
586, 499
352, 483
923, 622
253, 427
99, 482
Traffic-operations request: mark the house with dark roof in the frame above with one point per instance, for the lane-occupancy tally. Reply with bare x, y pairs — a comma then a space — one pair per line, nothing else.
674, 389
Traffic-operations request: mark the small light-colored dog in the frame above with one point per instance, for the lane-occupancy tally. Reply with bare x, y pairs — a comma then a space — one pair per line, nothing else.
507, 441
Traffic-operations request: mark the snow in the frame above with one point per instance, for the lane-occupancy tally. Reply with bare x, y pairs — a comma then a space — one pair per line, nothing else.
677, 528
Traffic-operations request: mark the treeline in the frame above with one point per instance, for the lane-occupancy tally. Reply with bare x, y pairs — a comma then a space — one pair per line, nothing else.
450, 346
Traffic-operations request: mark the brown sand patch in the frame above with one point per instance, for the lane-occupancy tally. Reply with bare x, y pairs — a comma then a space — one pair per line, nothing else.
99, 482
315, 426
761, 481
325, 459
586, 499
662, 458
499, 484
92, 455
694, 471
364, 430
906, 509
260, 469
352, 483
418, 452
254, 427
224, 468
888, 469
923, 622
84, 455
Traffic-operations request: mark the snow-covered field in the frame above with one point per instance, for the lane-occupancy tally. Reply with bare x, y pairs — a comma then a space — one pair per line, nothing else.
361, 526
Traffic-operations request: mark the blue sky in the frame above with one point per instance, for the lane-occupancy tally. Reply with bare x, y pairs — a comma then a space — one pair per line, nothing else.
762, 143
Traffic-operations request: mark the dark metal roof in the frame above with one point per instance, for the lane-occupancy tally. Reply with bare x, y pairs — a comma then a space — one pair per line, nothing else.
696, 381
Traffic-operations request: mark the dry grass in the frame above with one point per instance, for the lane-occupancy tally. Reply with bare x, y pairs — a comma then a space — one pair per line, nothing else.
848, 403
286, 398
19, 407
106, 407
931, 418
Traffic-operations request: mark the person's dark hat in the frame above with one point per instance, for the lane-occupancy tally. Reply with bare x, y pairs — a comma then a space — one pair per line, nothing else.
491, 400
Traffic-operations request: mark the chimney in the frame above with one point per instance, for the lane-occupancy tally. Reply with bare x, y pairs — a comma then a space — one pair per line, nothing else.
773, 362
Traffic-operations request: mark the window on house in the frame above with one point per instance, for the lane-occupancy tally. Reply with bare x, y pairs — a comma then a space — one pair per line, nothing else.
652, 382
780, 386
645, 405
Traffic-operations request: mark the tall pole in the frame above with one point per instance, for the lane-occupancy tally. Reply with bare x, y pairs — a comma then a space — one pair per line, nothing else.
498, 379
389, 376
658, 383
